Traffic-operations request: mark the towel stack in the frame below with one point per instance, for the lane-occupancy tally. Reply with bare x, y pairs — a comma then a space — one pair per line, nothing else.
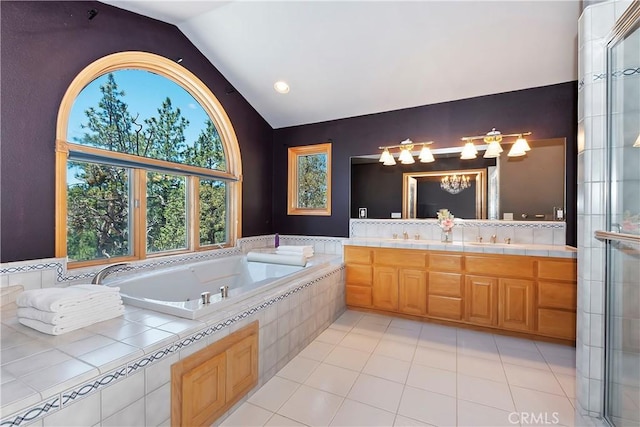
55, 311
307, 251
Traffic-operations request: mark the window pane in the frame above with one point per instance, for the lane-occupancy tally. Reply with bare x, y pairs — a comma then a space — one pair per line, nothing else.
141, 113
213, 212
312, 181
98, 223
166, 212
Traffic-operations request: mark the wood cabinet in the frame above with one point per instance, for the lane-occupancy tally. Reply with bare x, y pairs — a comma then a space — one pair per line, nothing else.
385, 288
412, 292
359, 276
210, 381
481, 300
525, 294
516, 304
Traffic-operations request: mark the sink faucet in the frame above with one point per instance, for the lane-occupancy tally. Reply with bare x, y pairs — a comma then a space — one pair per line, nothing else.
507, 240
101, 274
493, 238
405, 235
479, 239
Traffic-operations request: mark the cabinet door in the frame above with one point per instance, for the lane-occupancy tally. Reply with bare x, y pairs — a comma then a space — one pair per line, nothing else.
481, 300
203, 392
242, 367
516, 302
413, 292
385, 288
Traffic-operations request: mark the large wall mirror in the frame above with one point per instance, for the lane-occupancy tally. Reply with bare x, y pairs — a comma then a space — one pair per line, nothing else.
528, 187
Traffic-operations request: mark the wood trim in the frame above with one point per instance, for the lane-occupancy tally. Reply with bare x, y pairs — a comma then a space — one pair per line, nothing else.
201, 93
61, 203
481, 188
224, 346
292, 181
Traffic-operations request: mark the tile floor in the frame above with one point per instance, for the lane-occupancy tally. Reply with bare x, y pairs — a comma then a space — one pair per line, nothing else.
373, 370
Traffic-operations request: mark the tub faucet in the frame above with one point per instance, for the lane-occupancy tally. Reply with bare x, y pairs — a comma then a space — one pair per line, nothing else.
507, 240
405, 235
101, 274
224, 291
493, 238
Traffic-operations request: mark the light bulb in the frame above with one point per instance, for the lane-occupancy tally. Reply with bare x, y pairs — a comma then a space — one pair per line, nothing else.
425, 155
469, 151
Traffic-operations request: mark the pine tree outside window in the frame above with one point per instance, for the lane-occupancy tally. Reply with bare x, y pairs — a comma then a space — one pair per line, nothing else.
147, 164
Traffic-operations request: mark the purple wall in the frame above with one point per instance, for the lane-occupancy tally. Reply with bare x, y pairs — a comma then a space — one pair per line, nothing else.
548, 112
44, 46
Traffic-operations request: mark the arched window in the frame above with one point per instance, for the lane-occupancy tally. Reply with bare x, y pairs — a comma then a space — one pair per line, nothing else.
147, 163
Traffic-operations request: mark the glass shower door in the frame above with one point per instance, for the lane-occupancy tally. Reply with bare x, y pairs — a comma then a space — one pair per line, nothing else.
622, 348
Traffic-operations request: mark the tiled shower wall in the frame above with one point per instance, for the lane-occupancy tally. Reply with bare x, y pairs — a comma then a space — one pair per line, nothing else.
594, 27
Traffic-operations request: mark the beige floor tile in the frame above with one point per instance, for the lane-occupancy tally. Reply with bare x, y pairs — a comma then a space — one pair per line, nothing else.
357, 414
311, 406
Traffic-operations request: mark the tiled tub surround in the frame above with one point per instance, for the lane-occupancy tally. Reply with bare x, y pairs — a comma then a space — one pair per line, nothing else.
117, 372
49, 272
527, 238
594, 26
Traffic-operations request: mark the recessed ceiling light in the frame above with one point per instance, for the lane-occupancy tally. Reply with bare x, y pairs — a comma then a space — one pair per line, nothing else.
281, 87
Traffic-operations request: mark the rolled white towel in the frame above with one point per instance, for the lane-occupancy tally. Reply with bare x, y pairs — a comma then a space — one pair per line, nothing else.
50, 329
61, 299
64, 318
299, 259
305, 254
293, 248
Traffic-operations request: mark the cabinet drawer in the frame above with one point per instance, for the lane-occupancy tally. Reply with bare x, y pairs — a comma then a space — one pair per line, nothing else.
359, 274
557, 295
400, 258
445, 262
358, 295
356, 254
557, 323
445, 307
557, 270
500, 266
445, 284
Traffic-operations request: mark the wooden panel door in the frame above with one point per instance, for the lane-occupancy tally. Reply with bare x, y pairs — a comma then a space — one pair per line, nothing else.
385, 288
413, 292
481, 300
203, 391
516, 302
242, 366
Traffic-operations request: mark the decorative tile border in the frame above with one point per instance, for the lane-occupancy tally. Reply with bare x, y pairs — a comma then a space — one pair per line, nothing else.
41, 410
616, 74
70, 396
60, 267
75, 394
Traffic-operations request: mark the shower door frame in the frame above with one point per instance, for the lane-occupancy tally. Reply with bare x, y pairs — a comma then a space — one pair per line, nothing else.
627, 24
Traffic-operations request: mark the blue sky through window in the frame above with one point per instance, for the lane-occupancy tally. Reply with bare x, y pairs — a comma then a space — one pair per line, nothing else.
144, 93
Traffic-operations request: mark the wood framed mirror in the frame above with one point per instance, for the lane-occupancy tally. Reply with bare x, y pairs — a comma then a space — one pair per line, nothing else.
423, 194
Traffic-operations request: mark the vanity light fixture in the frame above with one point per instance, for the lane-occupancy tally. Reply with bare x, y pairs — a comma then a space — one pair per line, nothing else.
406, 155
281, 86
469, 151
427, 157
493, 140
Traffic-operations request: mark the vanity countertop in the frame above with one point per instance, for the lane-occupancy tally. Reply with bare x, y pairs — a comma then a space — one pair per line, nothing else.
555, 251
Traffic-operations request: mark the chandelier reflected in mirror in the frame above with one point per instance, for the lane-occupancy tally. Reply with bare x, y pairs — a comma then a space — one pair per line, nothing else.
454, 183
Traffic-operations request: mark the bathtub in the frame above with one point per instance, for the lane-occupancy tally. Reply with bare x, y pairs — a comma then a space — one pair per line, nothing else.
177, 290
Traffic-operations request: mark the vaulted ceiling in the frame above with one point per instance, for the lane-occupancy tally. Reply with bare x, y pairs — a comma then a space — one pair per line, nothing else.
349, 58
